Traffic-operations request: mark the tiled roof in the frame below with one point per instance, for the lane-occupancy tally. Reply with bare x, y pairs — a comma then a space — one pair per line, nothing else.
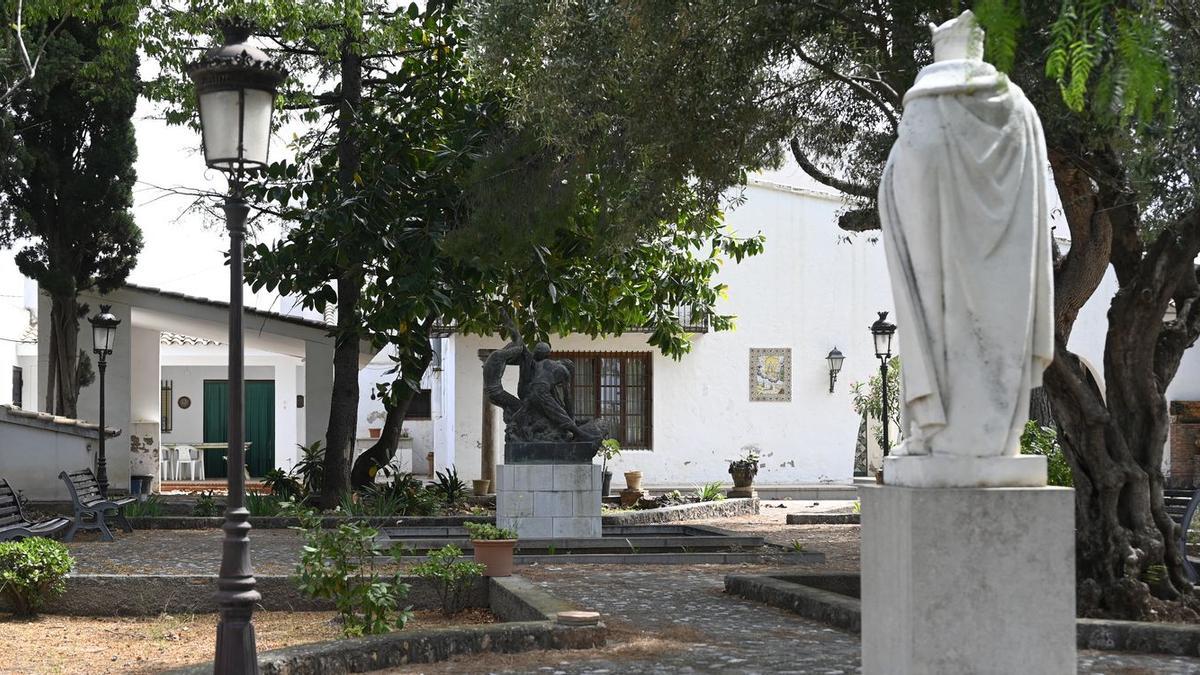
299, 321
184, 340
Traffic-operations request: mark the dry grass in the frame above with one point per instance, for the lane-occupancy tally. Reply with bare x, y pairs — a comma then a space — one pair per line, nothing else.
66, 644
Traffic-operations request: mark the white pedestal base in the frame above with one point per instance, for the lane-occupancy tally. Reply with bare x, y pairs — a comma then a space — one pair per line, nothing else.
941, 471
967, 580
549, 501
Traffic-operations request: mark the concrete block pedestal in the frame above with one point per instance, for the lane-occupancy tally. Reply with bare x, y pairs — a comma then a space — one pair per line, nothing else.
549, 501
968, 580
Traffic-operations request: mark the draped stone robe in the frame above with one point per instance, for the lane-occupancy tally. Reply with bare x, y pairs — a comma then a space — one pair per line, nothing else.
963, 207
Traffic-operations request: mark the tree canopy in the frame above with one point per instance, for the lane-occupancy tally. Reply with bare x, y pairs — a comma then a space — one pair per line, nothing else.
708, 89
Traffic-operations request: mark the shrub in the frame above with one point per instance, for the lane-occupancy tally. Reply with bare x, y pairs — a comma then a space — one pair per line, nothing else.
283, 485
262, 505
451, 578
488, 532
206, 506
868, 400
710, 492
449, 488
150, 508
33, 571
310, 470
747, 462
1040, 440
339, 564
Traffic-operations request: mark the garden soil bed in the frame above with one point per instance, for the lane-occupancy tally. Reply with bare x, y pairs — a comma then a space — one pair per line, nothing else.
62, 644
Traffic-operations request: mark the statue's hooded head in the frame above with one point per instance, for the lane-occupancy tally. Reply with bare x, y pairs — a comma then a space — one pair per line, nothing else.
541, 350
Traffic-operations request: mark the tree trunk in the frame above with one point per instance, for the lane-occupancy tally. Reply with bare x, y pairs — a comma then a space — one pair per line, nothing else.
64, 318
1127, 560
343, 408
381, 453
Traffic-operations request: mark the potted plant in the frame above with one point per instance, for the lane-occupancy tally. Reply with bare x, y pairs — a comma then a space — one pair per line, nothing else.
375, 416
609, 448
744, 469
493, 547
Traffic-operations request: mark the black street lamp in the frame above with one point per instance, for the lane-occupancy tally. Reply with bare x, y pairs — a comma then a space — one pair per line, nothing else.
104, 337
835, 359
883, 331
235, 85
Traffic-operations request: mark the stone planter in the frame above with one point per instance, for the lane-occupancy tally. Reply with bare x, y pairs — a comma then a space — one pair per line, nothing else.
633, 481
481, 487
496, 555
742, 478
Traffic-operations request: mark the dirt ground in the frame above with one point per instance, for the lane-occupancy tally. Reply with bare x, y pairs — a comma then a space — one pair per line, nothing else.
67, 644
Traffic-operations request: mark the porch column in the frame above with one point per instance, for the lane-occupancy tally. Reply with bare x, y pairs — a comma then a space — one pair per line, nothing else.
318, 389
487, 441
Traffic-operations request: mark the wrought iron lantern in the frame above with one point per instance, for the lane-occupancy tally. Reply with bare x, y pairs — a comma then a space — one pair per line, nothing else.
835, 359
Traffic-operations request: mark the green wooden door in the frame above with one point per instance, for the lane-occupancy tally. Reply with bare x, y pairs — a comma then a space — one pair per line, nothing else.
260, 426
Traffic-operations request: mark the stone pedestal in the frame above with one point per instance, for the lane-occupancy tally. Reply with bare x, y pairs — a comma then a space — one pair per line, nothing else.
545, 501
946, 471
967, 580
742, 493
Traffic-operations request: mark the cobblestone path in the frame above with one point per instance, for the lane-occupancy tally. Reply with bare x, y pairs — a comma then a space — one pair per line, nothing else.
679, 620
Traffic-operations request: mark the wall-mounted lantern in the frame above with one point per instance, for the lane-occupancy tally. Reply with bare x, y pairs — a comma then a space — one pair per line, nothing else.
835, 359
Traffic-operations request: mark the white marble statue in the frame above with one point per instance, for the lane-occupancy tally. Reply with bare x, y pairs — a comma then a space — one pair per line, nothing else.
963, 206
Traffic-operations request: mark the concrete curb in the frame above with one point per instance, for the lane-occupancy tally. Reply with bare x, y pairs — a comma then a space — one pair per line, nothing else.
838, 609
279, 522
528, 611
698, 511
824, 519
151, 595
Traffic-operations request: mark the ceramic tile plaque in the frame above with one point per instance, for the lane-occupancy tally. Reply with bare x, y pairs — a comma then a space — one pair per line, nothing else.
770, 374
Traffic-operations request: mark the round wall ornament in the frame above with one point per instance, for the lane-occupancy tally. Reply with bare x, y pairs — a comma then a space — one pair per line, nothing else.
185, 402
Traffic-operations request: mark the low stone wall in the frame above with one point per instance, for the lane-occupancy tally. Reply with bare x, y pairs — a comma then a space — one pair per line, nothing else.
146, 595
724, 508
824, 519
279, 522
529, 614
807, 595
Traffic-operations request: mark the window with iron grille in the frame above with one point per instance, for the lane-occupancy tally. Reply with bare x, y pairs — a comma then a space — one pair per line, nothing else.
18, 387
615, 386
167, 406
421, 406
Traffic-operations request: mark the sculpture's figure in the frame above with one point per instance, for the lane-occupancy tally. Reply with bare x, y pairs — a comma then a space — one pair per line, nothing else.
963, 207
541, 410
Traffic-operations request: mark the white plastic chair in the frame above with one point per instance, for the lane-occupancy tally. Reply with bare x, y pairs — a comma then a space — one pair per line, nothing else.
166, 457
189, 457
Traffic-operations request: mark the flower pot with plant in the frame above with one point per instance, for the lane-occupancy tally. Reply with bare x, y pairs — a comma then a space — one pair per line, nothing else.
493, 547
609, 448
372, 417
743, 470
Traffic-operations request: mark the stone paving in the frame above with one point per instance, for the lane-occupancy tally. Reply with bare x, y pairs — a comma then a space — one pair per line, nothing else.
664, 619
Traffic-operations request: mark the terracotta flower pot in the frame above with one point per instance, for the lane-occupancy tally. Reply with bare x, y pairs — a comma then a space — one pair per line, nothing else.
496, 555
481, 487
633, 480
374, 432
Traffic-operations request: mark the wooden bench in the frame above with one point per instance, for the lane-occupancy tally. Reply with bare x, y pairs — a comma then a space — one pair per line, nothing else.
14, 524
91, 507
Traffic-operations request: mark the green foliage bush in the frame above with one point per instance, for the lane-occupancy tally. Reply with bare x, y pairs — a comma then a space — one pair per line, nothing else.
283, 485
488, 532
206, 505
1040, 440
339, 564
710, 492
263, 505
449, 489
33, 571
150, 508
868, 400
451, 577
310, 470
